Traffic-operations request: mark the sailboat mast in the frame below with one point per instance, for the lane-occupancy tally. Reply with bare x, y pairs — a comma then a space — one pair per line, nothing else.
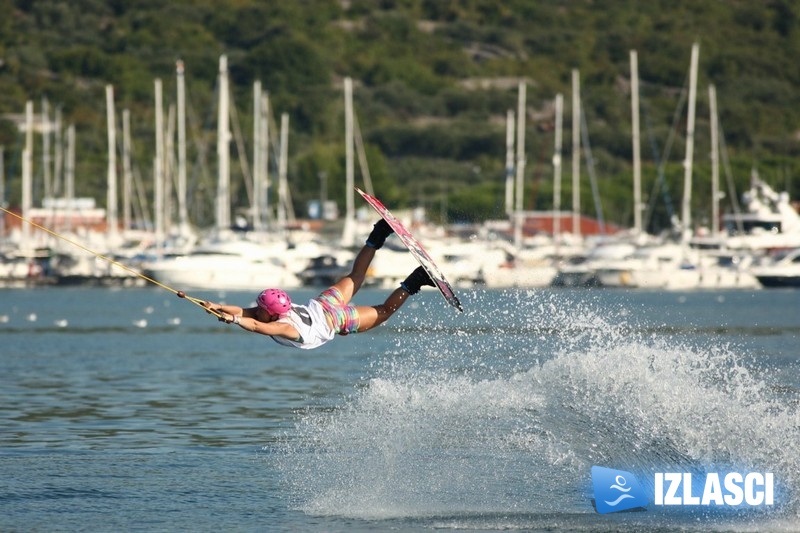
686, 213
576, 153
111, 207
712, 102
58, 159
557, 171
69, 171
223, 154
348, 236
636, 145
255, 203
46, 129
183, 214
27, 174
509, 162
159, 167
521, 105
264, 119
283, 163
127, 175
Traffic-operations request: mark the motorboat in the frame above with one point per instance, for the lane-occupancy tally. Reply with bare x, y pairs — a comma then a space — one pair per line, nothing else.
782, 271
230, 264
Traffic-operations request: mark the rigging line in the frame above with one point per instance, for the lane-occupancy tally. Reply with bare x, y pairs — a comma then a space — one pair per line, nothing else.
661, 182
726, 163
178, 293
598, 207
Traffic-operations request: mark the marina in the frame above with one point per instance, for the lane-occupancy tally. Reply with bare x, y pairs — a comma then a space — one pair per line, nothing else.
590, 284
269, 244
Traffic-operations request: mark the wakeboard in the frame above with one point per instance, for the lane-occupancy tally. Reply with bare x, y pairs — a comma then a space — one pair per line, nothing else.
416, 249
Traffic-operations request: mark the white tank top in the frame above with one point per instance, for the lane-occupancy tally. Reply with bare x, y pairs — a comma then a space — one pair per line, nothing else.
310, 322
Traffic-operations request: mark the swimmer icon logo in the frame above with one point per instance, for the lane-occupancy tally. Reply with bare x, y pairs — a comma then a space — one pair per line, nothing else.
616, 490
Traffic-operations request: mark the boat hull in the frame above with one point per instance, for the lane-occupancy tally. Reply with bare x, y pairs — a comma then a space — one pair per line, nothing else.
776, 281
221, 273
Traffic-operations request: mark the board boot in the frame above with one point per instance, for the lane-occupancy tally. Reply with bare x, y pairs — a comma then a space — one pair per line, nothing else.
380, 231
414, 282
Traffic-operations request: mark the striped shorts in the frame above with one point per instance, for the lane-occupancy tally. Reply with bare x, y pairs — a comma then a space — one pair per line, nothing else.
342, 317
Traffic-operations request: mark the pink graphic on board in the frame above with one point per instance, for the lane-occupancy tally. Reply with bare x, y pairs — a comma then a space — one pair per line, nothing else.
416, 249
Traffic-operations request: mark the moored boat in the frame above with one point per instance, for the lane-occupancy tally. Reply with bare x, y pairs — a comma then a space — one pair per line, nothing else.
782, 271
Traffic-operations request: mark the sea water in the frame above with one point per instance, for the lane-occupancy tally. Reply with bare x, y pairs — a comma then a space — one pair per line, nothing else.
131, 409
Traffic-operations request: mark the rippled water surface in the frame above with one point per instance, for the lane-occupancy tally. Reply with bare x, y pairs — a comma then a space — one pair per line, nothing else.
131, 409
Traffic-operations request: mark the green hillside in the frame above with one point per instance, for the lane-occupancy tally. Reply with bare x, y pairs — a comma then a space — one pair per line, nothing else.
433, 81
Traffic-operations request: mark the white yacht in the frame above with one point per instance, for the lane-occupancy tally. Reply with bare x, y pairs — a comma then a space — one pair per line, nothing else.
230, 264
673, 266
767, 221
782, 271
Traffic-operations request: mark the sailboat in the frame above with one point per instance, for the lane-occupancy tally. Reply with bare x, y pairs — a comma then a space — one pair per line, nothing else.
230, 259
679, 265
520, 265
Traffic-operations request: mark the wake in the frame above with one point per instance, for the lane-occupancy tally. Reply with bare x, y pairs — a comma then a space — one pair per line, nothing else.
510, 419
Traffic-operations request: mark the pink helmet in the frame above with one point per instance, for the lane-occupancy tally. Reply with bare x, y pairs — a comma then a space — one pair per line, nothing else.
274, 301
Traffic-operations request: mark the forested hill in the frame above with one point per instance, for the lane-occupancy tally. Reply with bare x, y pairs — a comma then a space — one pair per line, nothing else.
433, 81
